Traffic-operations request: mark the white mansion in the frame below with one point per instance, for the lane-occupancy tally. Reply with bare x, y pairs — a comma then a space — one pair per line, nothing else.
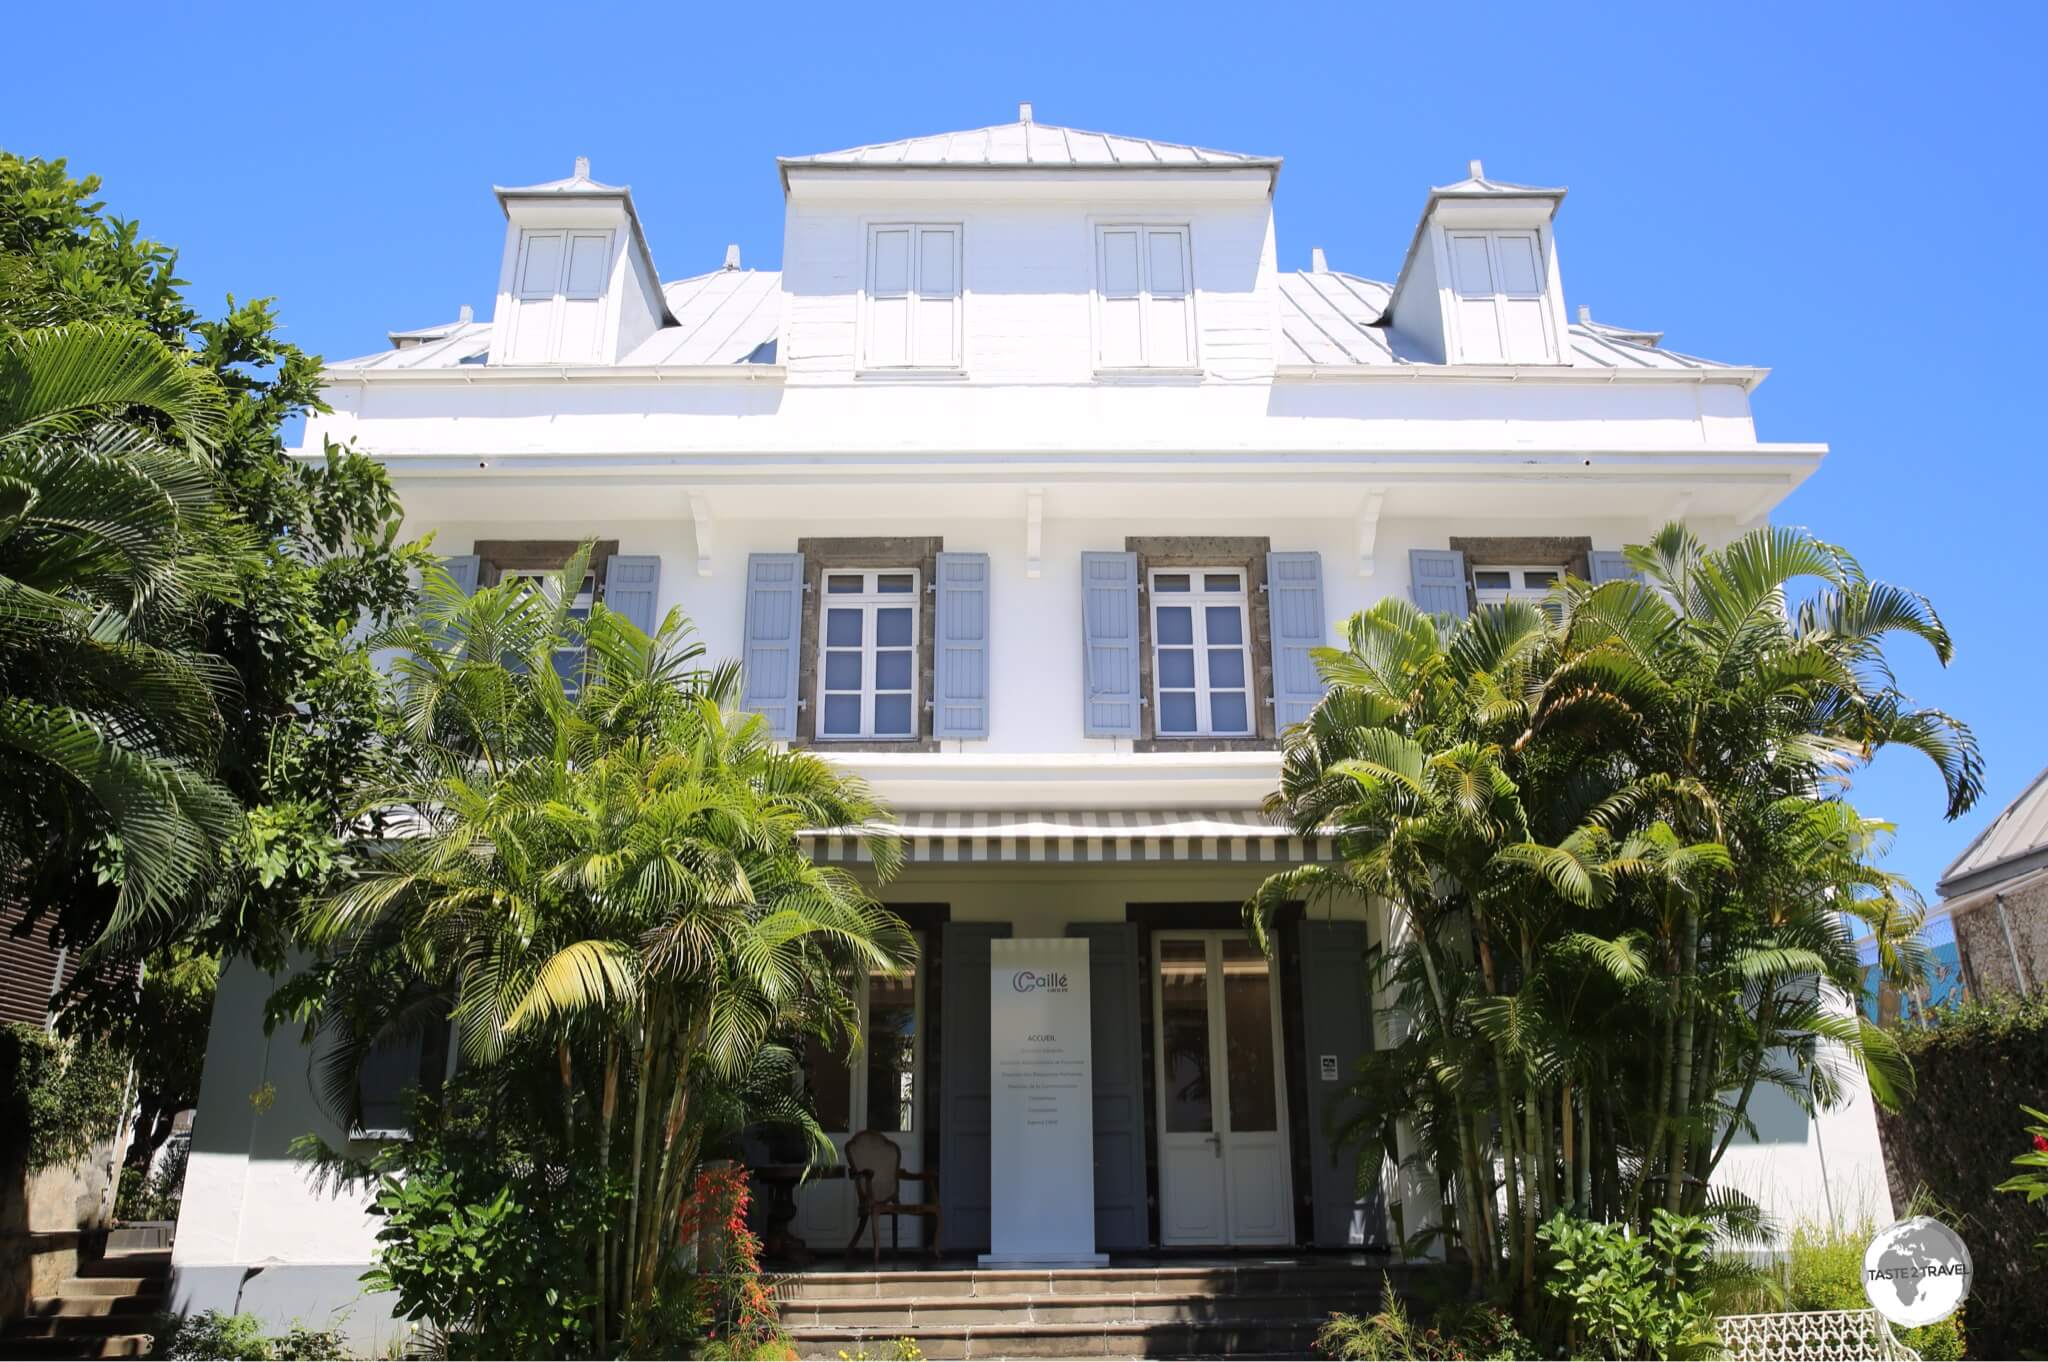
1023, 489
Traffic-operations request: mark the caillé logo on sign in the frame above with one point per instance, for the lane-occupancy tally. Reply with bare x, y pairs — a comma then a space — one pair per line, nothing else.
1028, 982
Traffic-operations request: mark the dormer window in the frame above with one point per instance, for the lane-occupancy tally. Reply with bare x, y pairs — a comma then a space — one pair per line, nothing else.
1499, 312
1145, 297
559, 285
913, 296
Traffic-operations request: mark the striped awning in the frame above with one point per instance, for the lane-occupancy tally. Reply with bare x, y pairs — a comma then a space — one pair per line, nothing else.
1134, 836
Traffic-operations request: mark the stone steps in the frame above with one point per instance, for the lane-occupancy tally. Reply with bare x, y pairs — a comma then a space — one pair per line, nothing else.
107, 1310
1253, 1308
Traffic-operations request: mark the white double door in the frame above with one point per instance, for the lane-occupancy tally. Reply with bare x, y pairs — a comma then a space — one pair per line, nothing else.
1224, 1175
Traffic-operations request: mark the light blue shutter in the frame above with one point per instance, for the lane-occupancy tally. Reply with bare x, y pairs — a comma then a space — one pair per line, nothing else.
466, 569
1436, 579
1109, 637
632, 582
1294, 601
960, 637
1607, 565
775, 612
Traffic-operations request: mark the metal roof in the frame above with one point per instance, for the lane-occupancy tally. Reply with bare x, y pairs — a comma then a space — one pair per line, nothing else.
2014, 844
1329, 318
1030, 144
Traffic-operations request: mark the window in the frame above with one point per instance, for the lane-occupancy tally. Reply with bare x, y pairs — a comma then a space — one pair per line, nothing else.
1145, 299
559, 284
867, 646
1201, 681
876, 1088
913, 296
1495, 585
569, 660
1502, 316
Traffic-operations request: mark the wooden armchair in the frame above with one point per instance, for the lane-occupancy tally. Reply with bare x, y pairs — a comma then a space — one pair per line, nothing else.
875, 1164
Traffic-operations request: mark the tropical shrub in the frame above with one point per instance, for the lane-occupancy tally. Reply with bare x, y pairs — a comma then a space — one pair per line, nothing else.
1628, 1294
1823, 1270
154, 1193
1614, 829
1455, 1332
57, 1097
212, 1335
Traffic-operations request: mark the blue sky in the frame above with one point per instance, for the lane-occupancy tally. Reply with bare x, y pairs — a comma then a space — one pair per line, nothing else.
1849, 195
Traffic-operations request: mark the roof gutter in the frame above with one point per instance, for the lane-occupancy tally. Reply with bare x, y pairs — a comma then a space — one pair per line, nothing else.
464, 375
1747, 376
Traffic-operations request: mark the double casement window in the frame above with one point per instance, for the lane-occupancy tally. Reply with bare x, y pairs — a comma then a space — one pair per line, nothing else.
1145, 297
568, 660
558, 291
1498, 585
913, 296
867, 655
1502, 314
1201, 680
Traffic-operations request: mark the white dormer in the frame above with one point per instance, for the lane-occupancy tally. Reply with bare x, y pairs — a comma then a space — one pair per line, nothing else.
1480, 283
577, 285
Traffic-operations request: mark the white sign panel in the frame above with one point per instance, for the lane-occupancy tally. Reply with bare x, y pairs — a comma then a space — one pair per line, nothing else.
1041, 1104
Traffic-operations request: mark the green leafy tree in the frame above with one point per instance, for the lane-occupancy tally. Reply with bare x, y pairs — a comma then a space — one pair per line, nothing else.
615, 876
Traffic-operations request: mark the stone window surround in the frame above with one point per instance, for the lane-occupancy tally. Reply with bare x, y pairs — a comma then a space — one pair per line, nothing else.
919, 552
1220, 551
500, 556
1573, 553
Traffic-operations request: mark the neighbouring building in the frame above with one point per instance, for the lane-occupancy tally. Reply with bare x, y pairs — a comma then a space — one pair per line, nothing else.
1996, 898
1023, 488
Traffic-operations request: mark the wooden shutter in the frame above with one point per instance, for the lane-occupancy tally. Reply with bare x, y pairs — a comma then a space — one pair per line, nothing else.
1473, 288
1336, 1014
466, 569
632, 584
775, 611
1524, 316
539, 271
960, 672
1116, 1073
1109, 629
889, 300
585, 278
1294, 599
964, 1083
1436, 581
1169, 339
1607, 565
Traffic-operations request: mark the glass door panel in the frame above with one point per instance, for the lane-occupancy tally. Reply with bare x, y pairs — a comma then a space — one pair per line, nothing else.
1184, 1036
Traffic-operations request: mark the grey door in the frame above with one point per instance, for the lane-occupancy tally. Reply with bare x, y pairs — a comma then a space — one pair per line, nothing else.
964, 1084
1336, 1011
1118, 1076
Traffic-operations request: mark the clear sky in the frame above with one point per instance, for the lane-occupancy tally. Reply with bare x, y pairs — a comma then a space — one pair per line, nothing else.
1850, 195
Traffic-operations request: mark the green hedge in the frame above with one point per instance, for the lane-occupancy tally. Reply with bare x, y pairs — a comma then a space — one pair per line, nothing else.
61, 1096
1976, 1063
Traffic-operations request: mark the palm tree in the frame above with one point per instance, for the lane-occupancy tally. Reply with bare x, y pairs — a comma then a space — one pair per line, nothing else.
620, 870
110, 535
1615, 844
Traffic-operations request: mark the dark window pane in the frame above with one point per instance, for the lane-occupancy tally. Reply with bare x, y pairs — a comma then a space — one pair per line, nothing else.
892, 671
892, 628
1226, 712
1222, 581
831, 1083
1177, 712
1225, 624
844, 583
1173, 581
842, 715
843, 628
893, 582
1177, 667
842, 671
1176, 624
892, 1052
1248, 1032
1184, 1037
1226, 668
1539, 581
1487, 579
892, 715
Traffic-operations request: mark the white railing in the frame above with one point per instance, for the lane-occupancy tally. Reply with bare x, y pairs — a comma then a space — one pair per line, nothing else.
1812, 1336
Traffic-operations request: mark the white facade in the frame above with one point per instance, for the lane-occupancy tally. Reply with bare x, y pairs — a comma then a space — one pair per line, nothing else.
1035, 343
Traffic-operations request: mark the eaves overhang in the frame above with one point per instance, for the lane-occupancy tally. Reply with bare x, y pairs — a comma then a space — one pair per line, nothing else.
1746, 376
468, 375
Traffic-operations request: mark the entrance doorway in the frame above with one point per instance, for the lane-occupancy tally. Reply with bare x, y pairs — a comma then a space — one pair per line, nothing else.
1224, 1174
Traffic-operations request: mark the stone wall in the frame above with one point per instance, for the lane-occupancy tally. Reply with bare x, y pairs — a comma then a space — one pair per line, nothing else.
1981, 939
51, 1220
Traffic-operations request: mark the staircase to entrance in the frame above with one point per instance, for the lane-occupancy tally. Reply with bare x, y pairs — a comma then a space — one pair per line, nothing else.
105, 1311
1245, 1307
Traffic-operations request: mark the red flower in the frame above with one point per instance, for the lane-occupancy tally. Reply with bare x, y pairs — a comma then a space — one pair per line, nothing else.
2041, 1143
